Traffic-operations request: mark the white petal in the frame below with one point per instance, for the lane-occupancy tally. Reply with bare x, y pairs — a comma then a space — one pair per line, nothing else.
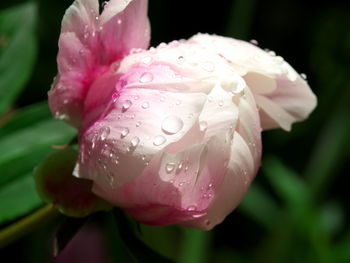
140, 125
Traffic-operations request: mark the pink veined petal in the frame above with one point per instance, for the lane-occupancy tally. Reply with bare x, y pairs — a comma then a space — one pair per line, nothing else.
124, 26
281, 93
155, 196
138, 125
87, 47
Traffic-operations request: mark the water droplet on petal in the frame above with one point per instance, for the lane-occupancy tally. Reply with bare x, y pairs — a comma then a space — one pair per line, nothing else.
254, 42
303, 75
221, 103
208, 66
104, 4
169, 167
180, 165
180, 60
115, 97
162, 45
172, 125
191, 208
138, 124
135, 141
147, 60
105, 132
178, 102
145, 105
203, 125
126, 105
119, 21
124, 132
279, 59
159, 140
146, 77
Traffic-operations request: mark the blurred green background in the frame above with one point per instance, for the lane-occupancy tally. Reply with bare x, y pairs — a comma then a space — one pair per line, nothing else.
297, 208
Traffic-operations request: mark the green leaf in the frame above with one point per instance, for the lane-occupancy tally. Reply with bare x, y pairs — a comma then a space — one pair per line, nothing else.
24, 118
18, 198
194, 246
22, 150
287, 184
57, 185
18, 50
260, 206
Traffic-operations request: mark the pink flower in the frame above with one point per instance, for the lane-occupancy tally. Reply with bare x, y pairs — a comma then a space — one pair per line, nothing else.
170, 134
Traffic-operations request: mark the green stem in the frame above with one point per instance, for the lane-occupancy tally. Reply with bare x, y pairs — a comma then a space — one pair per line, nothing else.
27, 224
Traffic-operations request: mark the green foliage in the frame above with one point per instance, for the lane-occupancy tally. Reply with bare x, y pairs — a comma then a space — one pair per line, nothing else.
18, 50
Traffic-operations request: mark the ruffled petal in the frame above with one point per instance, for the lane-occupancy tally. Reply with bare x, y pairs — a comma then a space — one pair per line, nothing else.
281, 93
124, 25
88, 44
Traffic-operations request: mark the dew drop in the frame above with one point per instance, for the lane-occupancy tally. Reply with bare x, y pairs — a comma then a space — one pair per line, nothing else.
126, 105
105, 132
172, 125
254, 42
110, 179
303, 75
208, 66
104, 4
191, 208
180, 60
180, 165
203, 125
147, 60
159, 140
119, 21
115, 97
135, 141
136, 97
138, 124
162, 45
178, 102
146, 77
279, 59
221, 103
145, 105
169, 167
124, 132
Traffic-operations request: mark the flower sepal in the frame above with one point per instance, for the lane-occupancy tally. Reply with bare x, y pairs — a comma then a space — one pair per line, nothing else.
56, 184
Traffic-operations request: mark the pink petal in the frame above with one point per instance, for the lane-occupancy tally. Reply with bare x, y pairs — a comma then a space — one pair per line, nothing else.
124, 26
88, 44
139, 125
